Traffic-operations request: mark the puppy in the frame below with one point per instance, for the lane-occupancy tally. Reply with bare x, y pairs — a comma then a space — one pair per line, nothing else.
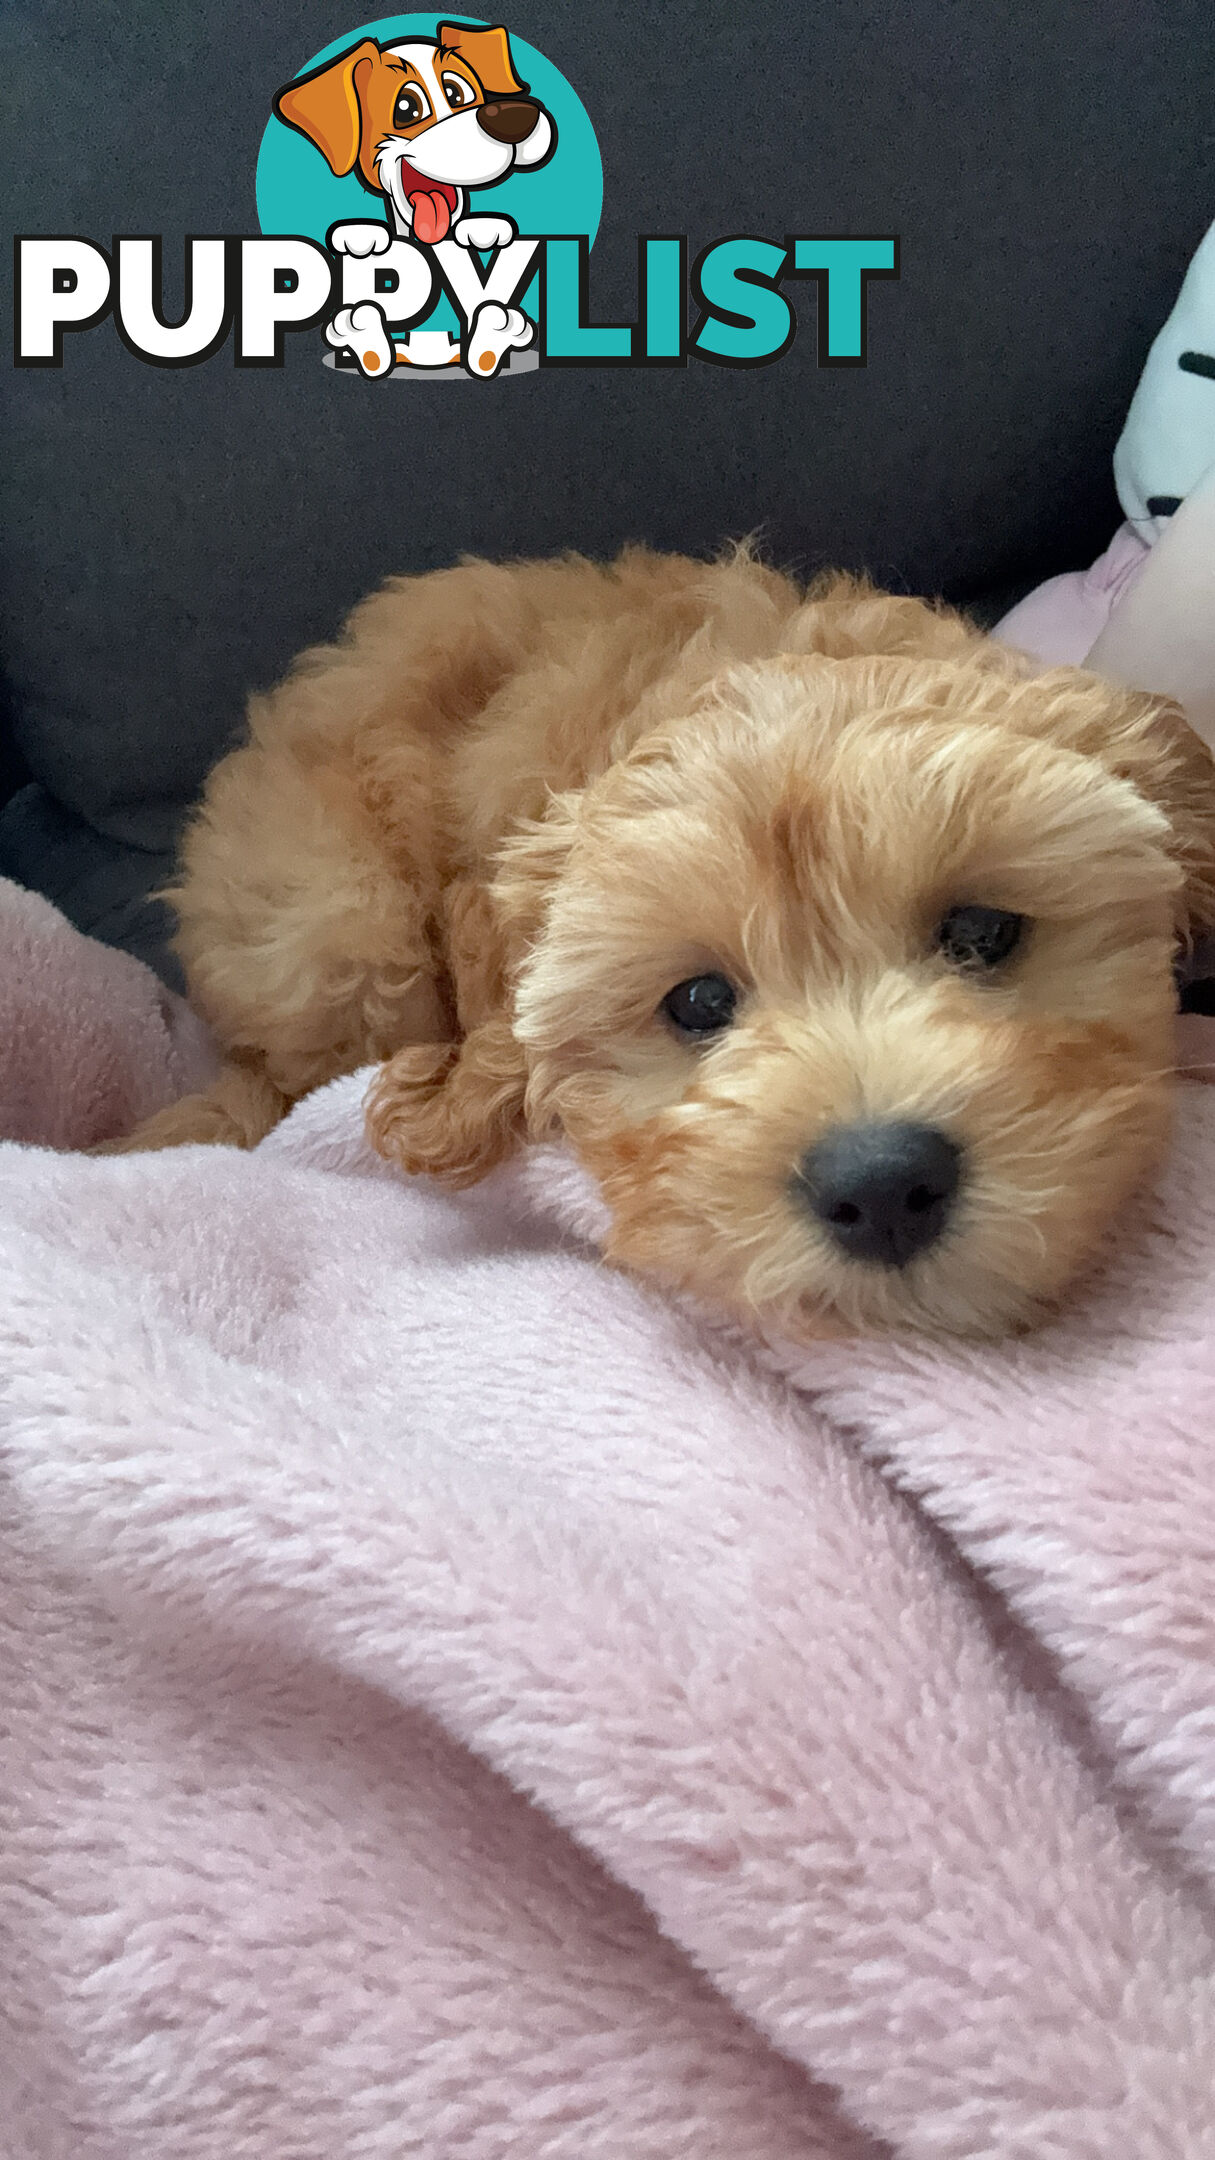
421, 124
836, 941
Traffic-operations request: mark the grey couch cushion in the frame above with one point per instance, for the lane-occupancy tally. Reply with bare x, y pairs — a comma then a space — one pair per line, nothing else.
106, 887
171, 538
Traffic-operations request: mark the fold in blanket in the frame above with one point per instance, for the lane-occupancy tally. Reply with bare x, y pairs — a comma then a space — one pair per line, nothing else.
457, 1704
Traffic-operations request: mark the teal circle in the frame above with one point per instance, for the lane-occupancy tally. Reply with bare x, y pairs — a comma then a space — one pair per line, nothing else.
297, 193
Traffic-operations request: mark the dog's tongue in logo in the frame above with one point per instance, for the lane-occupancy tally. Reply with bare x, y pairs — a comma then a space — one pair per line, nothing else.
432, 202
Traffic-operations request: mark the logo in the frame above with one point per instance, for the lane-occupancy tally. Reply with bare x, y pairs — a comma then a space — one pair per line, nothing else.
418, 154
428, 194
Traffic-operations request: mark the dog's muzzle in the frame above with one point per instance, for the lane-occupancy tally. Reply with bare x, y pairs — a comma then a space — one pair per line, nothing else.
508, 120
882, 1192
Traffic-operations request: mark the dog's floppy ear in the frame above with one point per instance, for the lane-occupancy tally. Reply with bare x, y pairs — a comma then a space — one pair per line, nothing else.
324, 106
1157, 749
487, 53
1148, 741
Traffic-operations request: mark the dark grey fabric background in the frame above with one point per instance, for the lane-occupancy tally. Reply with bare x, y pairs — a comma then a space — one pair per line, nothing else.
170, 539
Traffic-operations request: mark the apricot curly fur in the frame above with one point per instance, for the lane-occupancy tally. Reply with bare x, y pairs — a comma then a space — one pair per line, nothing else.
477, 839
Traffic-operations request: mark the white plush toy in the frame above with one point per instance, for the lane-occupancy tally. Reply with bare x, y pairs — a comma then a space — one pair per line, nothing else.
1168, 443
1162, 634
1145, 612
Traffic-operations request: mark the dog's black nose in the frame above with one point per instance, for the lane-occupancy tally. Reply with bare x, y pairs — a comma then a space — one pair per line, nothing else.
509, 120
884, 1192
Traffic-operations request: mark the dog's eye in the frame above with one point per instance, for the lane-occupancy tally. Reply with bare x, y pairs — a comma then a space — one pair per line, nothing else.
410, 107
979, 937
457, 91
701, 1006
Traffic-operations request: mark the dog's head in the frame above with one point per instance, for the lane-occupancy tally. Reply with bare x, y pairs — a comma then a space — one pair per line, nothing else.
428, 117
854, 988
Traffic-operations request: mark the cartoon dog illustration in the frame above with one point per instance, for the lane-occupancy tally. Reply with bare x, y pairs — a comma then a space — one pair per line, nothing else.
423, 123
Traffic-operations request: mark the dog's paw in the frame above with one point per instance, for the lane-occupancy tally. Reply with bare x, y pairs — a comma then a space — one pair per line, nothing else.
362, 238
484, 232
363, 329
495, 331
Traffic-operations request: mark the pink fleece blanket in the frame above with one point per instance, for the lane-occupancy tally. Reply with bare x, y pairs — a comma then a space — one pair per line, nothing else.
90, 1042
456, 1704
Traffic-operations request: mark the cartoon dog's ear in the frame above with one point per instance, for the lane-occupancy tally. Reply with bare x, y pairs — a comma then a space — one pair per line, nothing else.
324, 106
488, 55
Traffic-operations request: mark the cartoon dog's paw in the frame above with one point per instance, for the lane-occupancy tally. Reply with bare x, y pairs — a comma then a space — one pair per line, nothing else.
363, 329
494, 331
362, 238
484, 232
